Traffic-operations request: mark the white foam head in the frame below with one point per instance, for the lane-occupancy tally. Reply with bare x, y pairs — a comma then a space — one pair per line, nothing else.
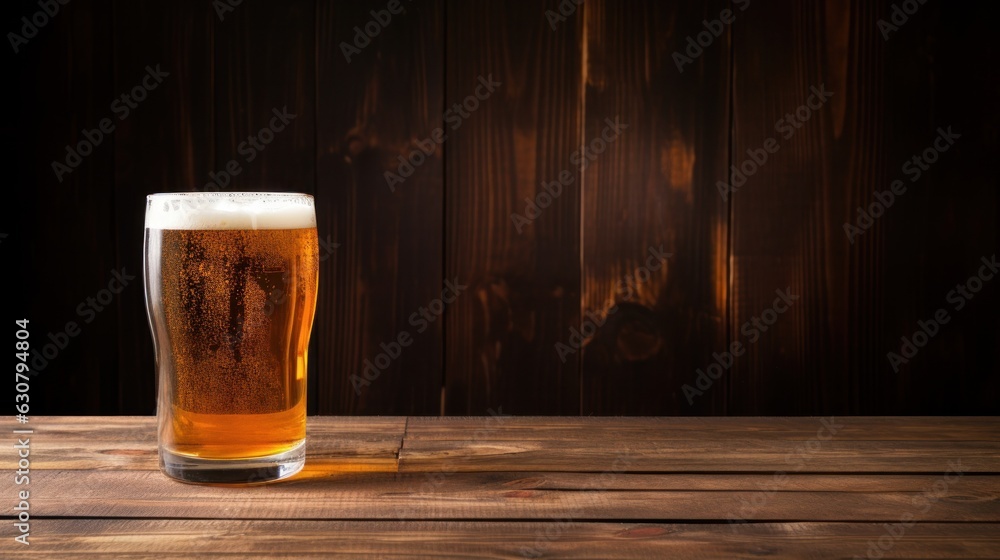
230, 210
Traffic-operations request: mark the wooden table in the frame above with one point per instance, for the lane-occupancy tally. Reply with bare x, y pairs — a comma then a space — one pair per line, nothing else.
526, 487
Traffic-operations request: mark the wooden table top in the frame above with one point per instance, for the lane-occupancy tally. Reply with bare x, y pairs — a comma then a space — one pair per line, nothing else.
499, 487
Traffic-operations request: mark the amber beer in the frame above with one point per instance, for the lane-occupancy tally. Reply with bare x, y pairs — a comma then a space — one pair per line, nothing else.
231, 290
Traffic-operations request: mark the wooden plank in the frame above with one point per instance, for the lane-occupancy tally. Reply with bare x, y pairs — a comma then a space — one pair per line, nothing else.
175, 38
65, 228
319, 539
652, 191
634, 430
691, 445
857, 299
863, 118
524, 279
371, 110
585, 444
129, 443
448, 495
265, 62
786, 227
846, 483
708, 456
934, 235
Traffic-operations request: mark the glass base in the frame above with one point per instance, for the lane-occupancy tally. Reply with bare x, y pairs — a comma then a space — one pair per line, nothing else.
233, 471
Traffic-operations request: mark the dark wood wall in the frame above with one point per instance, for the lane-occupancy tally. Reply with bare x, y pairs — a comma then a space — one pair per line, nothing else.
594, 258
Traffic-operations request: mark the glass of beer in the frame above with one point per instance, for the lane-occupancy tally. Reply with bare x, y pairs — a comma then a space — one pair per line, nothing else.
230, 292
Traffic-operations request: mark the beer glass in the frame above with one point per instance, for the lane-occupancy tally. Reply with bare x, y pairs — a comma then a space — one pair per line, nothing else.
230, 291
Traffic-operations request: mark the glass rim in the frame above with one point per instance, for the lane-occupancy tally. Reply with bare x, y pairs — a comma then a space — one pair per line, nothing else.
234, 195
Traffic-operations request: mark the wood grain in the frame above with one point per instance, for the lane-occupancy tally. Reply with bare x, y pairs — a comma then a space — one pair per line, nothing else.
524, 279
651, 191
708, 456
693, 445
900, 445
318, 539
611, 429
786, 218
934, 236
265, 61
129, 443
859, 296
346, 494
371, 111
